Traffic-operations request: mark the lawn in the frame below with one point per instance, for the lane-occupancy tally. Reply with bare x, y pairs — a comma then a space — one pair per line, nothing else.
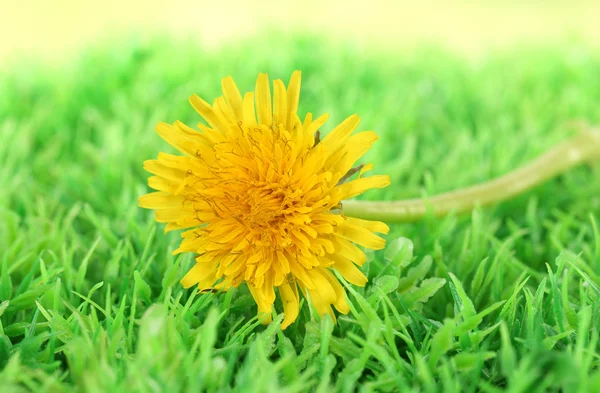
504, 299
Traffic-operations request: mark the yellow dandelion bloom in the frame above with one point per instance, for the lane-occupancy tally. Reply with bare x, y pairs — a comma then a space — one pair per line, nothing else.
261, 197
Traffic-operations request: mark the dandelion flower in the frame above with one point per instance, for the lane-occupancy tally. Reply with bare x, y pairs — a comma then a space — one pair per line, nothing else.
260, 196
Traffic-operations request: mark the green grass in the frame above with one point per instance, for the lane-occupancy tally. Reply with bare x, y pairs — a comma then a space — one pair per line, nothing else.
505, 299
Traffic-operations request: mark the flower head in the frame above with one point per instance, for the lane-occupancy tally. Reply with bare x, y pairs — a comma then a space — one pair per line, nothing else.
261, 197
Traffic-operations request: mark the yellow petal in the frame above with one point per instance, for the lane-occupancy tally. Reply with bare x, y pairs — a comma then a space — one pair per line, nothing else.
160, 184
322, 285
158, 168
174, 161
307, 121
263, 306
176, 138
356, 147
173, 226
291, 303
192, 277
221, 228
207, 138
299, 272
268, 289
193, 242
224, 263
373, 226
338, 137
263, 267
364, 169
360, 235
208, 282
325, 244
248, 112
199, 272
280, 112
263, 100
347, 269
232, 95
348, 250
293, 97
192, 220
358, 186
224, 111
311, 128
340, 303
172, 214
323, 228
232, 235
283, 262
312, 164
160, 200
321, 305
235, 267
206, 111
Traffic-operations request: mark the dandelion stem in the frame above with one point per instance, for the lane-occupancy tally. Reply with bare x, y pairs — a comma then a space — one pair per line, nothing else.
584, 147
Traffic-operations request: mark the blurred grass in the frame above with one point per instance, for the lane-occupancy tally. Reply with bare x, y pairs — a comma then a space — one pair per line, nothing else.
506, 299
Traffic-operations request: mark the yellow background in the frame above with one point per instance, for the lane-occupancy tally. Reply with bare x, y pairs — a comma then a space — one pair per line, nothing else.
54, 29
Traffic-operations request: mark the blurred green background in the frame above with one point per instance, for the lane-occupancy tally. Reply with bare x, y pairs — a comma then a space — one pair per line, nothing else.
503, 299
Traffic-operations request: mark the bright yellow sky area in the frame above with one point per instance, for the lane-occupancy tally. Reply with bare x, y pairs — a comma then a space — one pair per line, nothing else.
55, 28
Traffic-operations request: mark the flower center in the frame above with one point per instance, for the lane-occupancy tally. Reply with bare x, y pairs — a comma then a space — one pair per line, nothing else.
260, 208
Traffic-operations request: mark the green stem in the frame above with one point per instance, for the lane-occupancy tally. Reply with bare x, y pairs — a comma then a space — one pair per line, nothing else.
584, 147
